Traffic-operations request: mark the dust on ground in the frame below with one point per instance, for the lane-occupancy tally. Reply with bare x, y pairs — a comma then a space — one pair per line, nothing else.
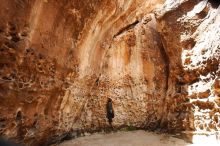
127, 138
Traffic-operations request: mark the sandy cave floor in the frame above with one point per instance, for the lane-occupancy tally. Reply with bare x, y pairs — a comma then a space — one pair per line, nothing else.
133, 138
129, 138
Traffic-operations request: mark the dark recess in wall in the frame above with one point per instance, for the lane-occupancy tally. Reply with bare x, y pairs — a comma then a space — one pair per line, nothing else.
214, 3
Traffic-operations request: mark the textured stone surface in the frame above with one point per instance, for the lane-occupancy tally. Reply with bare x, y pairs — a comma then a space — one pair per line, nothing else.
190, 34
60, 60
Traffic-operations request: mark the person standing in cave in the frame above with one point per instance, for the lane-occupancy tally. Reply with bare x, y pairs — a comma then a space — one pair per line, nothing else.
109, 111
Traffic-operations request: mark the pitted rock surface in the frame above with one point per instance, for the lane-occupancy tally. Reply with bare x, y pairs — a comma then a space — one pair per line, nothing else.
60, 61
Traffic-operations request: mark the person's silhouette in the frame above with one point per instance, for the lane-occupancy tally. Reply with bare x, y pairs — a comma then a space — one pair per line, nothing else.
110, 112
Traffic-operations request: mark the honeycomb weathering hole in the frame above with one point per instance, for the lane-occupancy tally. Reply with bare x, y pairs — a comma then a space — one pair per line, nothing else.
18, 116
214, 3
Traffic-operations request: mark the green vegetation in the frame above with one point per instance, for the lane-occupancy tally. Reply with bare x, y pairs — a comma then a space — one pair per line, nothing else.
128, 128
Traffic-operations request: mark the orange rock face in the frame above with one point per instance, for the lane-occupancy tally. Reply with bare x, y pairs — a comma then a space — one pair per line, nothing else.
61, 60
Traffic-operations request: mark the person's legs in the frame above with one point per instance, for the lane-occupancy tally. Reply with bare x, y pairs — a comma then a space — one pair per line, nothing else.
110, 122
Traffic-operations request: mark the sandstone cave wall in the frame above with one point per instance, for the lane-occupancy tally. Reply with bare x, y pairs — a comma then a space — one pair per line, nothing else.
190, 34
60, 60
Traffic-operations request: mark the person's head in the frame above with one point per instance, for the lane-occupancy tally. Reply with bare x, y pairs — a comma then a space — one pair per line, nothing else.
109, 100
